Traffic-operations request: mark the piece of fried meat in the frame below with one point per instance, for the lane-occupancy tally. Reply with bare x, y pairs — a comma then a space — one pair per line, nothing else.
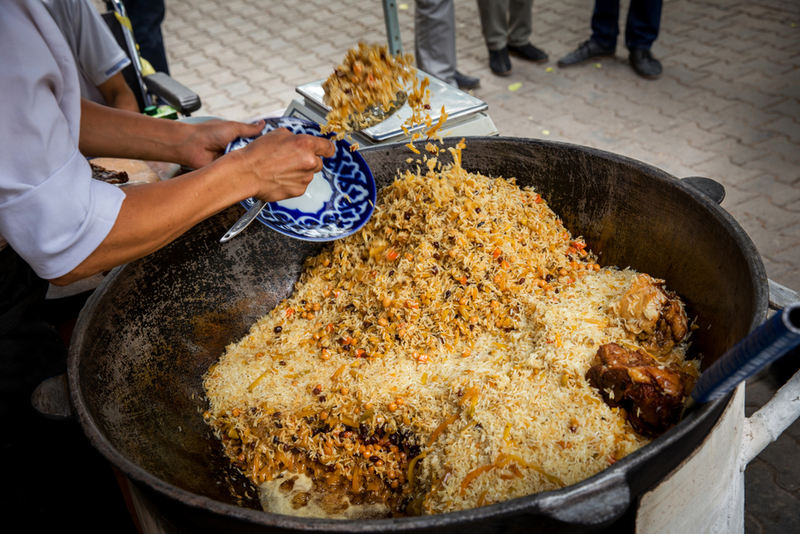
651, 394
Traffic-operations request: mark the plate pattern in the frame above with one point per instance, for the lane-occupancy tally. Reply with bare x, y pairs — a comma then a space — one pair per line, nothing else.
345, 212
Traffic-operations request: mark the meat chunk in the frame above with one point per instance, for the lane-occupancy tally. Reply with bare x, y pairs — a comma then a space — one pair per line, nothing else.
654, 317
108, 176
651, 394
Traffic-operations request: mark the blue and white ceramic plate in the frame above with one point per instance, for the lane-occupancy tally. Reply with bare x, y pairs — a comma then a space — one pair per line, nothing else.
338, 201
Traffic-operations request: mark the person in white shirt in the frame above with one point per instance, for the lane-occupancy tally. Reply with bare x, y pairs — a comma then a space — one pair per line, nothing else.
68, 226
99, 57
60, 225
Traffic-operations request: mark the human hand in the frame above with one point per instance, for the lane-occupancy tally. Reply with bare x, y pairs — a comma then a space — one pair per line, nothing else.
280, 164
207, 140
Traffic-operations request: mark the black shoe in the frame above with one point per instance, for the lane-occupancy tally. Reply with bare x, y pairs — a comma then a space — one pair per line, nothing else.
644, 63
465, 82
499, 62
586, 50
528, 52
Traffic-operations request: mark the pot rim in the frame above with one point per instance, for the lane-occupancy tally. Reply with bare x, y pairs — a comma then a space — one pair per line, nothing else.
615, 474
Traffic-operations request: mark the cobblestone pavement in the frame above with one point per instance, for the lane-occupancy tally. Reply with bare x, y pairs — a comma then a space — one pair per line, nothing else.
727, 107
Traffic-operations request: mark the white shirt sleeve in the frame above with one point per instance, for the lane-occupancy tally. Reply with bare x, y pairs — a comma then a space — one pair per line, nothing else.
52, 212
95, 48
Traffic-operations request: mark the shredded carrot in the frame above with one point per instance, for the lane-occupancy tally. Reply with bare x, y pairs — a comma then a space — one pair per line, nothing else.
439, 124
505, 459
306, 412
338, 372
287, 460
471, 396
412, 464
356, 482
258, 380
412, 148
441, 428
348, 422
507, 432
473, 474
514, 469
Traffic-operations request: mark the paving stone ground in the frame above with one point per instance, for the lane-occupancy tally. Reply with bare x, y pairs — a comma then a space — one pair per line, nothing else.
727, 107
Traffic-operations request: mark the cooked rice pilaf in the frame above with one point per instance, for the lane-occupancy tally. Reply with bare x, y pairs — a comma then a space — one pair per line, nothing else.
370, 78
433, 362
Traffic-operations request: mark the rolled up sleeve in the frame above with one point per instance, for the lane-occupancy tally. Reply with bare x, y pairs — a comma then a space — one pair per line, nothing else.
55, 225
52, 212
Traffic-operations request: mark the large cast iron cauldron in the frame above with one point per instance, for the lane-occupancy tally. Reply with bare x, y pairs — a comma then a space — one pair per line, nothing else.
152, 329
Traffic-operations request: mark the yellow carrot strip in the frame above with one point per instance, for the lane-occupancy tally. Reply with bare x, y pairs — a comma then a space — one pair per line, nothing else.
349, 422
505, 459
338, 372
412, 148
306, 412
552, 478
514, 469
507, 432
287, 460
596, 322
258, 380
412, 464
472, 475
356, 482
440, 429
439, 124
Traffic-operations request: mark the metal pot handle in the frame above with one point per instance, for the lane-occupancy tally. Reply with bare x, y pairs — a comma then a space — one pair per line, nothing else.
51, 398
596, 503
779, 296
710, 188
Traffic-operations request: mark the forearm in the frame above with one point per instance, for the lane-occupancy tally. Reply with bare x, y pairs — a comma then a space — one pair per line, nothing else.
108, 132
125, 101
153, 215
118, 94
275, 166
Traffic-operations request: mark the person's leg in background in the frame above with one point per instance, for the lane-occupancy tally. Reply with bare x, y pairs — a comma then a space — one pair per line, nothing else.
435, 42
603, 42
520, 26
435, 38
494, 24
605, 23
641, 31
146, 18
519, 22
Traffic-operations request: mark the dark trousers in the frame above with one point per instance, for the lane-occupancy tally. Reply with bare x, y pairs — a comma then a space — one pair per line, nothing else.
146, 18
641, 28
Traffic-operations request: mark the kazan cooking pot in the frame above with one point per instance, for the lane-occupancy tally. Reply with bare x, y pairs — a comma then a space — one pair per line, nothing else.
152, 329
